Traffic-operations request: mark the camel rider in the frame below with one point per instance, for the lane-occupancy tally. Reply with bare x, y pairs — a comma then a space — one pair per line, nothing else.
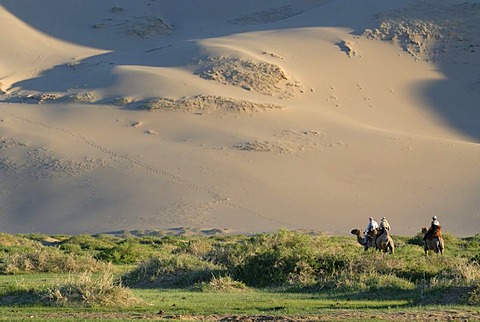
372, 225
384, 224
433, 228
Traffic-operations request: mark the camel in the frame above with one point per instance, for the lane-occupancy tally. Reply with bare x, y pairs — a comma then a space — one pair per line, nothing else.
385, 242
433, 242
382, 242
361, 239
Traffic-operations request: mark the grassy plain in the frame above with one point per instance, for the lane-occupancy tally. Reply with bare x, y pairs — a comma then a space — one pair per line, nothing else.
288, 275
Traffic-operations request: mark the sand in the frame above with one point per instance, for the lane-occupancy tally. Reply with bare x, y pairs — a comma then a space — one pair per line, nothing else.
239, 116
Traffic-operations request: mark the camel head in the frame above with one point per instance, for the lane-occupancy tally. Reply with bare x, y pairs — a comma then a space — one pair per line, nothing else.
356, 232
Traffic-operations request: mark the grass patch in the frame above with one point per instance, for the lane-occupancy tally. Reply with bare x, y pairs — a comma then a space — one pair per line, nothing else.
282, 274
88, 290
47, 260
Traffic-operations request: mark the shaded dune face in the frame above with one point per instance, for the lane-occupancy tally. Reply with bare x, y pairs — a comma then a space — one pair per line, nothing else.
238, 116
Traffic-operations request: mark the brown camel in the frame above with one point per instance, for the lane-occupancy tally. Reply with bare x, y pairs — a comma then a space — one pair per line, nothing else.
433, 241
381, 242
361, 239
385, 242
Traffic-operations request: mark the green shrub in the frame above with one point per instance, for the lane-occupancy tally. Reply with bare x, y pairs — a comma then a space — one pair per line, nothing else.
416, 240
127, 252
371, 282
71, 249
89, 243
170, 271
7, 240
278, 259
472, 297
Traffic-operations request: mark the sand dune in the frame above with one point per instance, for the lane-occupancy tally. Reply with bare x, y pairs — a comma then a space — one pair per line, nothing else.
239, 116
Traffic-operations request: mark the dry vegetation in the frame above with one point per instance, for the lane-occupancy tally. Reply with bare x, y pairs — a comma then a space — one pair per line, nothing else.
88, 290
207, 104
263, 77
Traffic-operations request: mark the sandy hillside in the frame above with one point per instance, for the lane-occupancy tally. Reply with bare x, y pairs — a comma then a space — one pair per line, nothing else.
247, 116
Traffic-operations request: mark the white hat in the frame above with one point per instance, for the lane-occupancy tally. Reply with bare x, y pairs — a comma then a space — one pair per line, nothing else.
434, 217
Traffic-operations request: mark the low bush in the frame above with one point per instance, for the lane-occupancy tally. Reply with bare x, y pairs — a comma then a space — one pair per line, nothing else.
48, 260
125, 252
170, 271
88, 244
87, 290
222, 284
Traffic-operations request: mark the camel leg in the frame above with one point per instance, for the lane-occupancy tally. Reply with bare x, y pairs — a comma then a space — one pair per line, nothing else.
392, 248
385, 248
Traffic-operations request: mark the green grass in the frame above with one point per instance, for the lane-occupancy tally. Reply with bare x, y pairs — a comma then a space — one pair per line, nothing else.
176, 303
282, 274
256, 302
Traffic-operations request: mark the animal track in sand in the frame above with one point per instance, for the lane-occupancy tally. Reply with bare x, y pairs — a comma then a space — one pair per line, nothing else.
218, 198
40, 163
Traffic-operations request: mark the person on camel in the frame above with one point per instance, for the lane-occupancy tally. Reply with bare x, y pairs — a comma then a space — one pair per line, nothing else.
384, 225
435, 225
371, 227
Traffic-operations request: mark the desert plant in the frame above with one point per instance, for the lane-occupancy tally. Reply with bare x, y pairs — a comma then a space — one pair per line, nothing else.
7, 240
371, 282
126, 252
277, 259
88, 290
222, 284
47, 260
89, 243
170, 270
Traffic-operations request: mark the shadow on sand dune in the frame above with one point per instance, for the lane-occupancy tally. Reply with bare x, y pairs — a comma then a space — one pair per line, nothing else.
114, 26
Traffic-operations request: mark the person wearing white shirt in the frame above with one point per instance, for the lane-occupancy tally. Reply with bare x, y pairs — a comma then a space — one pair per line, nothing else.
372, 225
433, 228
384, 224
